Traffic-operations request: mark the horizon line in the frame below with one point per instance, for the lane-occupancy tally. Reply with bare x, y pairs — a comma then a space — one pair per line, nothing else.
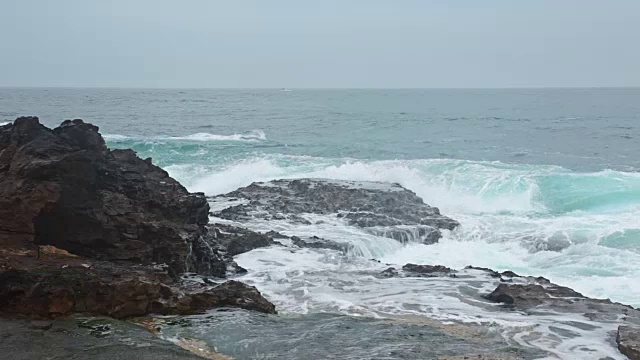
321, 88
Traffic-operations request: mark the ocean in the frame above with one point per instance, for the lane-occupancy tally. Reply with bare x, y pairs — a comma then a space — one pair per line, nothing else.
544, 182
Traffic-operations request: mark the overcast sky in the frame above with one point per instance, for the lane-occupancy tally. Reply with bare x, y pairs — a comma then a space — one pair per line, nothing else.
321, 43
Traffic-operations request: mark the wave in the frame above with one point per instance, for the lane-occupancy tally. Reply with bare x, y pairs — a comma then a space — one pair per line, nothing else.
5, 123
254, 135
579, 229
454, 185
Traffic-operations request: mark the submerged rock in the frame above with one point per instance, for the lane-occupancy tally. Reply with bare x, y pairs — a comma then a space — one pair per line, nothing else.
413, 270
64, 187
319, 243
383, 209
95, 339
428, 270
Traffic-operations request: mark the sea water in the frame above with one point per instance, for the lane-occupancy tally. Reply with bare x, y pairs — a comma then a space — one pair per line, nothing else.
544, 182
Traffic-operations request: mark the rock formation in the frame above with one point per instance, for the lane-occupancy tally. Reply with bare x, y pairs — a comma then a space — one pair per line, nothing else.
383, 209
122, 229
628, 340
64, 187
101, 288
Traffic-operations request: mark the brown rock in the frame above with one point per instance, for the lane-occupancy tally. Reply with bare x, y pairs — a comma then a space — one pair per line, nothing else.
628, 340
116, 291
64, 187
427, 270
528, 295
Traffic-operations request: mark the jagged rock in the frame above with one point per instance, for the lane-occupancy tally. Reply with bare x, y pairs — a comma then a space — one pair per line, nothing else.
529, 295
413, 270
64, 187
229, 294
389, 272
120, 227
628, 340
116, 291
237, 240
383, 209
427, 270
319, 243
506, 274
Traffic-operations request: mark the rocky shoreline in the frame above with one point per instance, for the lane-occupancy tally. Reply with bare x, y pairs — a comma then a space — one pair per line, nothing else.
98, 232
89, 230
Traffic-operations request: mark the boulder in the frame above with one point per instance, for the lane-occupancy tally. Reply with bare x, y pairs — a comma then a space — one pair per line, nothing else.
427, 270
64, 187
413, 270
529, 295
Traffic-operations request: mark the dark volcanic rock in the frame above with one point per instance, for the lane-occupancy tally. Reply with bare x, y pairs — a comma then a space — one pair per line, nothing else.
529, 295
628, 340
413, 270
117, 231
506, 274
383, 209
235, 240
64, 187
230, 294
428, 270
120, 292
319, 243
390, 272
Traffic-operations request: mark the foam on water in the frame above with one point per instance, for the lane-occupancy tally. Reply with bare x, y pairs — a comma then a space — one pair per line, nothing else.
307, 281
513, 217
253, 135
580, 230
5, 123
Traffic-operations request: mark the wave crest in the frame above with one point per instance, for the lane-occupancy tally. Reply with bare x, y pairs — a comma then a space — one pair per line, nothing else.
253, 135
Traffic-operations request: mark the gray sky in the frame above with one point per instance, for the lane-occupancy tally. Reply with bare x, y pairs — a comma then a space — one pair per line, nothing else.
321, 43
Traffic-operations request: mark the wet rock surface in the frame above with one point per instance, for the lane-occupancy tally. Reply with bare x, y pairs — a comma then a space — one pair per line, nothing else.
315, 242
102, 288
235, 240
628, 340
64, 187
246, 335
383, 209
533, 293
413, 270
119, 230
96, 339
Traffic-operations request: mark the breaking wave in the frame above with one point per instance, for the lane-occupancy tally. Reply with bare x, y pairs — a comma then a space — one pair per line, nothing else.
254, 135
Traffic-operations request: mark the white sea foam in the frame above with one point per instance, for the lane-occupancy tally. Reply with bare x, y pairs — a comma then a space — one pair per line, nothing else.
304, 281
575, 229
116, 137
254, 135
5, 123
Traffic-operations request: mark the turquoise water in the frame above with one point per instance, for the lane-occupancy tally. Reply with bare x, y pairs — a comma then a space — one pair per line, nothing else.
543, 181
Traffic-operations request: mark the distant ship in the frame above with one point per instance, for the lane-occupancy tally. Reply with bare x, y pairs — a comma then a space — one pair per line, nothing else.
285, 89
